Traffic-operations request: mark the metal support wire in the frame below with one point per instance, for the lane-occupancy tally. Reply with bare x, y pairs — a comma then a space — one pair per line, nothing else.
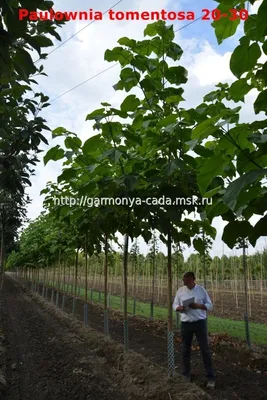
73, 306
126, 335
85, 314
171, 362
134, 306
106, 328
57, 297
247, 330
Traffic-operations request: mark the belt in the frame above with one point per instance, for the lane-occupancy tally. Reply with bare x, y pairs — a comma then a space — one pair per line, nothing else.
191, 322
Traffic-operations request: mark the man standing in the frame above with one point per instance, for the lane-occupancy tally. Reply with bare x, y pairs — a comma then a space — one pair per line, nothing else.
194, 321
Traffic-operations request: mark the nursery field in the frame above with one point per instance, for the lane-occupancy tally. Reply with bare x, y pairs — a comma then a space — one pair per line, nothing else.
240, 374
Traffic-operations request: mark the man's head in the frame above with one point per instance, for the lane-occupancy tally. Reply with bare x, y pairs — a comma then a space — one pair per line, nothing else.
189, 279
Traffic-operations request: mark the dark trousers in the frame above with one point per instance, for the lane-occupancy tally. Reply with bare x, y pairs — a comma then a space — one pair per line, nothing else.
200, 329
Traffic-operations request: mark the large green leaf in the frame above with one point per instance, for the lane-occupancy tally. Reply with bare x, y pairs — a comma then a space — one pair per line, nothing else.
199, 245
96, 115
24, 64
130, 103
260, 229
260, 103
234, 189
244, 57
225, 28
176, 75
67, 175
92, 144
112, 154
73, 143
119, 54
60, 131
239, 89
261, 19
213, 167
54, 154
235, 230
205, 128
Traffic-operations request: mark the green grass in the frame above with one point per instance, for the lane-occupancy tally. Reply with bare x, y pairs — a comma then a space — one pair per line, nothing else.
258, 332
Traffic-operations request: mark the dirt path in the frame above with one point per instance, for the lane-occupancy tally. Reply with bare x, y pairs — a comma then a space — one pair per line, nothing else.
234, 381
42, 358
52, 357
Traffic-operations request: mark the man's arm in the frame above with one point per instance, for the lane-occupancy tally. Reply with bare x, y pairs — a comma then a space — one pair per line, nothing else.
207, 302
207, 306
177, 302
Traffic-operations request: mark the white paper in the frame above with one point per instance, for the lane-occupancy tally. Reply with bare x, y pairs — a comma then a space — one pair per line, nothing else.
187, 302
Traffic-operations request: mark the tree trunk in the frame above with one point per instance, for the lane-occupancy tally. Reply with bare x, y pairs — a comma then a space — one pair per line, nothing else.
106, 274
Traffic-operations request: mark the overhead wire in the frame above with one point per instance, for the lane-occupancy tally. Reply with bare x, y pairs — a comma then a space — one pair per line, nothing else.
75, 34
114, 65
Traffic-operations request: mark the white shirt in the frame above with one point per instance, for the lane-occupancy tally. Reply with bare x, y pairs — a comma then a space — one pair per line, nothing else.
201, 297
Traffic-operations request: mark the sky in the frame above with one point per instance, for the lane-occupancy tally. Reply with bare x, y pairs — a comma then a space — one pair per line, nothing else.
82, 57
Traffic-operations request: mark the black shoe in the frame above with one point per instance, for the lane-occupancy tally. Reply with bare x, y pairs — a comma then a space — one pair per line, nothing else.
210, 385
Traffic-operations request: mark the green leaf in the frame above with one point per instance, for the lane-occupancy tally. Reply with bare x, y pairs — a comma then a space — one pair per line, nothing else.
112, 154
225, 28
124, 57
212, 192
125, 41
205, 128
60, 131
211, 168
24, 64
260, 229
167, 121
199, 245
130, 103
250, 27
42, 41
54, 154
239, 89
67, 175
171, 167
260, 103
235, 230
261, 19
92, 144
234, 189
73, 143
264, 47
176, 75
244, 57
258, 138
96, 115
151, 29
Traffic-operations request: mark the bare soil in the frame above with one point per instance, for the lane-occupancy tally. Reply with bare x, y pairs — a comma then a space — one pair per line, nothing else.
241, 374
51, 356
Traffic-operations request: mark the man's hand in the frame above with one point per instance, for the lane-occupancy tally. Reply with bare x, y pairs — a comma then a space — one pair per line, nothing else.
195, 306
180, 308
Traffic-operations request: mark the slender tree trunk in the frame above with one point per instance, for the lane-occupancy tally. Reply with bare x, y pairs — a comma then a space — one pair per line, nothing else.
86, 270
76, 273
106, 274
169, 272
2, 258
125, 273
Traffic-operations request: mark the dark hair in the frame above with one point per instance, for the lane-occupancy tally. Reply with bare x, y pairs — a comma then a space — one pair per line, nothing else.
190, 275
